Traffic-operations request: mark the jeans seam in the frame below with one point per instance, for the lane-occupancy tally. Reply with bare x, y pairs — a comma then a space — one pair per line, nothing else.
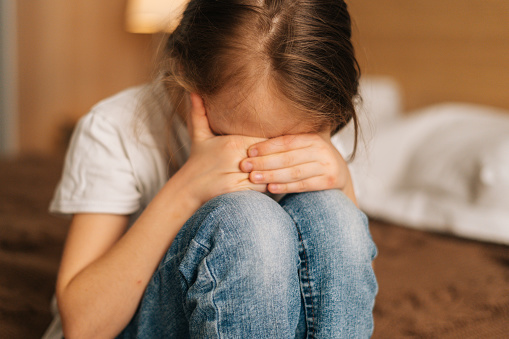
214, 286
312, 329
201, 245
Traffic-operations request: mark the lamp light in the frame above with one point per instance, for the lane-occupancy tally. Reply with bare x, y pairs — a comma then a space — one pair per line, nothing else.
152, 16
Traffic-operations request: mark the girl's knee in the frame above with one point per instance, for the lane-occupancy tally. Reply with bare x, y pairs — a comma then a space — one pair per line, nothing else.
322, 202
333, 218
237, 202
247, 210
248, 222
245, 236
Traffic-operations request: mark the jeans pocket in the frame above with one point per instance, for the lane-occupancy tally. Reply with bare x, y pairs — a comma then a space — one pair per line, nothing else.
198, 285
191, 262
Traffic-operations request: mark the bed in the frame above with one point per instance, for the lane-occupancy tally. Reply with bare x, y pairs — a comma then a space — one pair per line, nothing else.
431, 285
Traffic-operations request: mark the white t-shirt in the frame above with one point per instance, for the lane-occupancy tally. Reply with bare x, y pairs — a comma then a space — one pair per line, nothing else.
116, 161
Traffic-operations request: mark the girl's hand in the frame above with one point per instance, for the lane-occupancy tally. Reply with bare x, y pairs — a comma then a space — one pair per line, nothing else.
298, 163
213, 166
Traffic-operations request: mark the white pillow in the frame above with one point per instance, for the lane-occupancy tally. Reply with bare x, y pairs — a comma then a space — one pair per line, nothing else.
443, 168
450, 159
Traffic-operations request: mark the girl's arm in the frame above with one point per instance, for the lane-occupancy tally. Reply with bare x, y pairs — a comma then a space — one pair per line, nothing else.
104, 272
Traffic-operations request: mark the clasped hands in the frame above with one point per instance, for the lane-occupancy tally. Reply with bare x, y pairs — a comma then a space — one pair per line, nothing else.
285, 164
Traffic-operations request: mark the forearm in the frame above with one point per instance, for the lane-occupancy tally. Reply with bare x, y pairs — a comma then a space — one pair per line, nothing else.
101, 299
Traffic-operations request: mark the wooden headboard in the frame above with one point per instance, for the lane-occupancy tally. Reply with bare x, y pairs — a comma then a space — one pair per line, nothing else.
439, 50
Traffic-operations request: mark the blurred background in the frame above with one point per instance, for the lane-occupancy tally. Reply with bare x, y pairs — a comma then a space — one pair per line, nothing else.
60, 57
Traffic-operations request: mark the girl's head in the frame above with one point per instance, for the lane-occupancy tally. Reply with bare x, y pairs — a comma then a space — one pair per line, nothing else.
265, 66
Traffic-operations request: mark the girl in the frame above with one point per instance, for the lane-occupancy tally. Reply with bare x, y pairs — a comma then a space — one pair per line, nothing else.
171, 236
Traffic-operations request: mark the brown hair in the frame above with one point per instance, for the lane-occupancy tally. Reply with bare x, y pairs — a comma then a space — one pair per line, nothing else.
303, 46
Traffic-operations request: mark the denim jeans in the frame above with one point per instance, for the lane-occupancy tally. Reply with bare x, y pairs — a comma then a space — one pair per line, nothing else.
246, 266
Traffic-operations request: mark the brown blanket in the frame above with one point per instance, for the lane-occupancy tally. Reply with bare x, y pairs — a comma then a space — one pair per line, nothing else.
431, 286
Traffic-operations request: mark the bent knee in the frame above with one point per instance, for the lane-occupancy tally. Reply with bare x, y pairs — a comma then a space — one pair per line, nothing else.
251, 222
245, 209
240, 199
332, 217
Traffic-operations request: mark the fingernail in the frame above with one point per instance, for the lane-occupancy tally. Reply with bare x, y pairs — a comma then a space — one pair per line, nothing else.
248, 166
258, 177
253, 152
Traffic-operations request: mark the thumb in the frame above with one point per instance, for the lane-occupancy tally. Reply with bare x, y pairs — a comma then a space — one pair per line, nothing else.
198, 125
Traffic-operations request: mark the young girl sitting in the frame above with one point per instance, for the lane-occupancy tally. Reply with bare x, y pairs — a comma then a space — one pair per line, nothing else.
172, 236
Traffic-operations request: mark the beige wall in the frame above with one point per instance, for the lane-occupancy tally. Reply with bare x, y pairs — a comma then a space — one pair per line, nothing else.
73, 53
438, 50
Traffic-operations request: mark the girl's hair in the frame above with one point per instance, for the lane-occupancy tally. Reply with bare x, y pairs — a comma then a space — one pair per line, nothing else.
303, 47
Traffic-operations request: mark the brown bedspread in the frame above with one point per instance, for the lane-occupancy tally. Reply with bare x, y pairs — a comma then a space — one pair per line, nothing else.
431, 286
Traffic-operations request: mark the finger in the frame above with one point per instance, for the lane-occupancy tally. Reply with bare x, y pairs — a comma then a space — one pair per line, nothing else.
257, 188
283, 143
244, 184
287, 175
279, 160
318, 183
200, 128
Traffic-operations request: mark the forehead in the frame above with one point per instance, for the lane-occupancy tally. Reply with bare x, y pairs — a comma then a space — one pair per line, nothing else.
257, 112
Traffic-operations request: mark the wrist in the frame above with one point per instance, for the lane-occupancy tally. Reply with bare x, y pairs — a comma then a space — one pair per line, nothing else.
187, 190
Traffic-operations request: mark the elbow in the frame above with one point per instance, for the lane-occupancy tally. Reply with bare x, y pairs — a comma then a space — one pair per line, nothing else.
79, 323
73, 326
81, 330
77, 329
71, 332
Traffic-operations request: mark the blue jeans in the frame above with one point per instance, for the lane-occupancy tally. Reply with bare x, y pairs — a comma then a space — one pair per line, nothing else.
246, 266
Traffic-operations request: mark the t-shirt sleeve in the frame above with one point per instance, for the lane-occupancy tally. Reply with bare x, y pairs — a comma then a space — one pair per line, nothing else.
97, 175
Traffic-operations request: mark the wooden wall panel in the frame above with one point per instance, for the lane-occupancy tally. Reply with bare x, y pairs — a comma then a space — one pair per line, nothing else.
448, 50
72, 54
